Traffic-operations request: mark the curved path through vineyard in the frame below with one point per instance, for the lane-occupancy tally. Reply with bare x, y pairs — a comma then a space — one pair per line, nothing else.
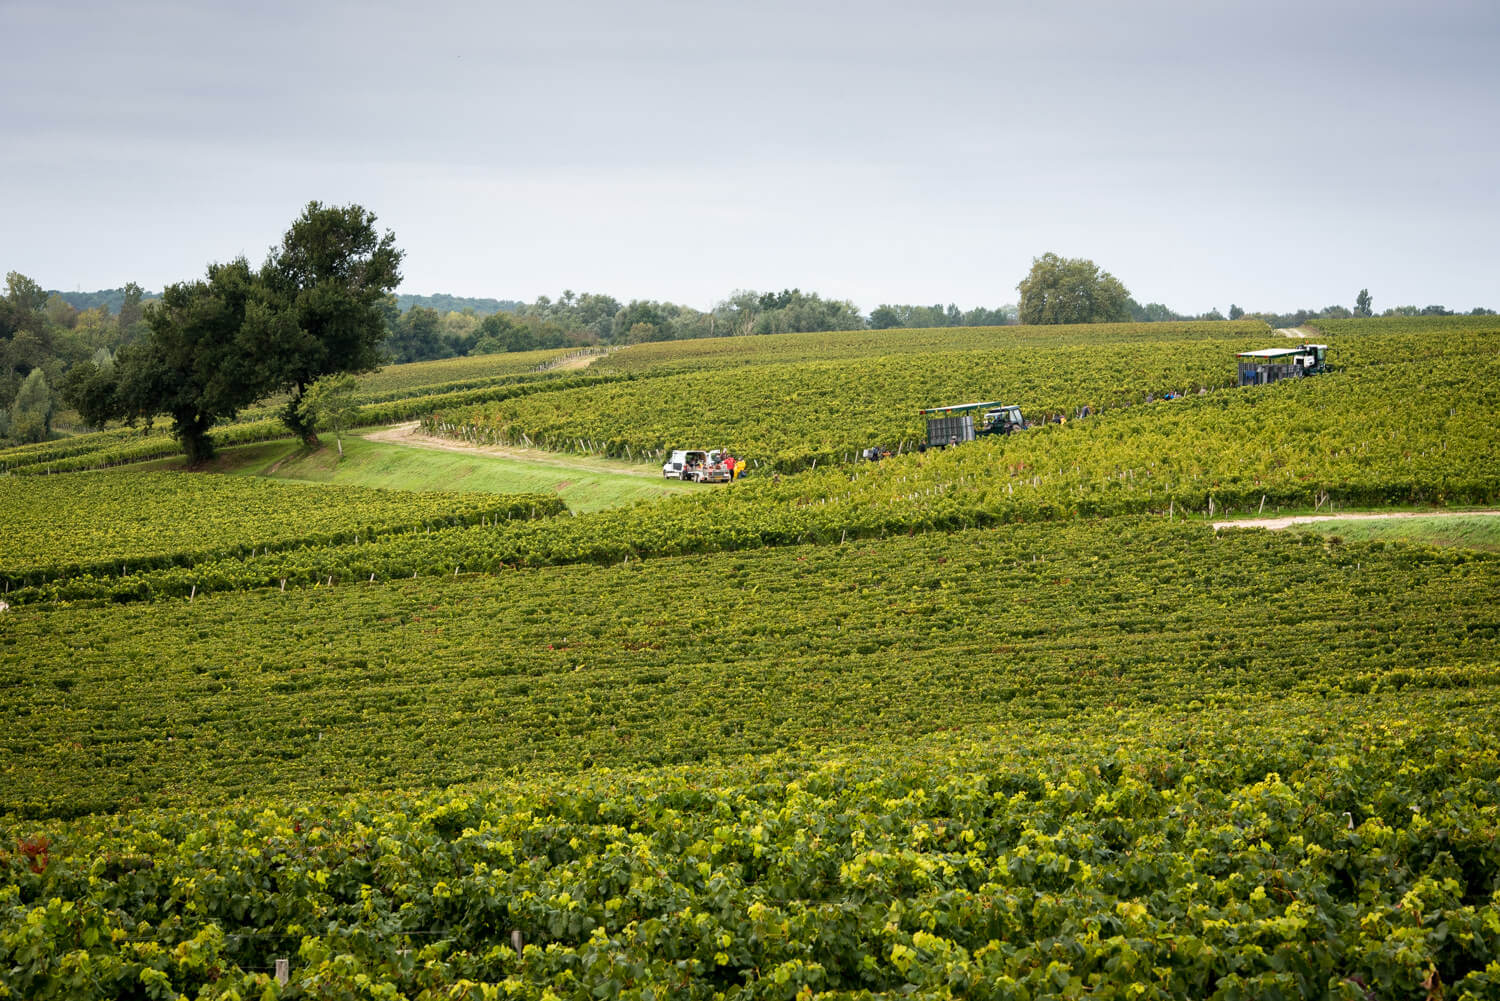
1308, 519
411, 434
573, 363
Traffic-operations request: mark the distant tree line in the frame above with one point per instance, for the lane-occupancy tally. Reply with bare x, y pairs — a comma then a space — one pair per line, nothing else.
885, 317
577, 319
43, 337
1364, 306
1075, 290
112, 299
444, 303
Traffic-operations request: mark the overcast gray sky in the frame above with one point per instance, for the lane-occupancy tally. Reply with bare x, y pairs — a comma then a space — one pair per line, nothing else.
1271, 154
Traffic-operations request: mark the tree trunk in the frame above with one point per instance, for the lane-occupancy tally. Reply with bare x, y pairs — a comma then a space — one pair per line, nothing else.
192, 431
293, 419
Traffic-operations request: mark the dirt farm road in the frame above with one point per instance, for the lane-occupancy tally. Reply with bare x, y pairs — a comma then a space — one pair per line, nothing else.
1308, 519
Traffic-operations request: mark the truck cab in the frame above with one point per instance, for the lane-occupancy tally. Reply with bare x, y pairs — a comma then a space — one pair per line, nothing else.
1314, 358
1003, 421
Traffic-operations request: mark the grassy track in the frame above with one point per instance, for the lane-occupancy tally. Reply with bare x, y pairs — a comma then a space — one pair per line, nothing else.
584, 485
1476, 532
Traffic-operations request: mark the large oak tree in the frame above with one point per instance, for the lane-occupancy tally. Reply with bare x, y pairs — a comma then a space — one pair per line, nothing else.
1071, 290
326, 286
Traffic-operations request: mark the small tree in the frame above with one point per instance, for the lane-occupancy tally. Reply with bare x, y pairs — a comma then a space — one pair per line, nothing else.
329, 405
1363, 304
1235, 312
31, 414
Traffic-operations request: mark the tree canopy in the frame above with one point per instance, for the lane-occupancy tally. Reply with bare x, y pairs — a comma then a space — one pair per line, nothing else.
887, 316
1071, 290
323, 314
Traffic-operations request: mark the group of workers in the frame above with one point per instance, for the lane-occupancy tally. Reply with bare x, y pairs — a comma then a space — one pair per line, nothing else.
720, 457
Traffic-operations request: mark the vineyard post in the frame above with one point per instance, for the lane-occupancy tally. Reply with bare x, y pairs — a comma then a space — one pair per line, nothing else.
515, 940
283, 971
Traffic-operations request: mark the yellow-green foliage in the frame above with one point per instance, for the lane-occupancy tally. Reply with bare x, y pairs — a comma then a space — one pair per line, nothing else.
420, 374
788, 415
1340, 849
65, 526
453, 678
856, 345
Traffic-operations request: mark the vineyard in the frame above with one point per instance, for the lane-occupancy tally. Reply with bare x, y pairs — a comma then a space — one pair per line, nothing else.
792, 415
423, 374
674, 660
60, 527
1390, 432
1169, 855
1002, 721
858, 345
